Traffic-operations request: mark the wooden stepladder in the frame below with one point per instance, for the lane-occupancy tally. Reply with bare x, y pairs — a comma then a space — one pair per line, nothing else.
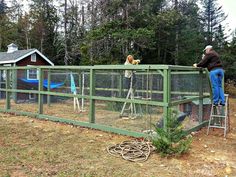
131, 106
76, 103
219, 117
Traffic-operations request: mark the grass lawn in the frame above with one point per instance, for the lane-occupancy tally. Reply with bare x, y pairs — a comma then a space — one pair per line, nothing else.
30, 147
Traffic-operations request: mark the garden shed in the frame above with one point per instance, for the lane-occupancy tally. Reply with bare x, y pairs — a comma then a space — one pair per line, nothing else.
26, 79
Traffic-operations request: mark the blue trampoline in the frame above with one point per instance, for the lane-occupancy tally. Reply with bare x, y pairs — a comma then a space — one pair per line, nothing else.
53, 85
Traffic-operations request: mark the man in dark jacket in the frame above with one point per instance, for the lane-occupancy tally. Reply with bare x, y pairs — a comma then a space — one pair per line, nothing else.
211, 61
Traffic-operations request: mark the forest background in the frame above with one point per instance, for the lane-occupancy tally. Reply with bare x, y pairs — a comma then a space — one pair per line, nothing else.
89, 32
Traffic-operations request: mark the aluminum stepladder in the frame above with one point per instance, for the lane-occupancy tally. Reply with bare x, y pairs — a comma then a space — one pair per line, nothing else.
219, 117
132, 106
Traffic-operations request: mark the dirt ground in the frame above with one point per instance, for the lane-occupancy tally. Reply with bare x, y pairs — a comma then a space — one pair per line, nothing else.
106, 113
30, 147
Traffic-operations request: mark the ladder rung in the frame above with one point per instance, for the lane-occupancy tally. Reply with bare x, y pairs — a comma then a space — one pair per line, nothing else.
217, 116
137, 97
146, 98
211, 126
216, 124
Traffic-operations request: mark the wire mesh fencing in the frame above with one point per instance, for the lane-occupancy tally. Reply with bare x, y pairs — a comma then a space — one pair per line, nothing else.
105, 97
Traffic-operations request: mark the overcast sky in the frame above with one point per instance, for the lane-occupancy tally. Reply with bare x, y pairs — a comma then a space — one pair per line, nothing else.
229, 7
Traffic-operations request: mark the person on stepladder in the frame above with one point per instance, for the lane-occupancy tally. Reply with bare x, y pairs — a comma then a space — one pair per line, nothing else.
130, 81
129, 74
211, 61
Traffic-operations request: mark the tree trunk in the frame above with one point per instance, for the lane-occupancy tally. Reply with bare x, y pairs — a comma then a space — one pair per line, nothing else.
176, 37
41, 42
66, 57
92, 27
82, 16
27, 40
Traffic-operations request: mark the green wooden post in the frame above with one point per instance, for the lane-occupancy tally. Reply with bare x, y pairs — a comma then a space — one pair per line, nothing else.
91, 94
167, 96
8, 98
112, 83
49, 83
120, 83
82, 88
40, 88
14, 84
80, 82
200, 111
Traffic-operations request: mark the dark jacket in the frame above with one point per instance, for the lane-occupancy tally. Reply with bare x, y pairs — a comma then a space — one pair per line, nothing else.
210, 61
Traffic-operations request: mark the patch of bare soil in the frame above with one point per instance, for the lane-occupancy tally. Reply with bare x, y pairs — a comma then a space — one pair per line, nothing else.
30, 147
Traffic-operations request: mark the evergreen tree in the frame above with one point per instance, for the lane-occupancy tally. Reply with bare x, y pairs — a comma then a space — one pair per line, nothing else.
126, 29
220, 38
7, 27
23, 32
191, 39
106, 31
43, 20
212, 18
3, 22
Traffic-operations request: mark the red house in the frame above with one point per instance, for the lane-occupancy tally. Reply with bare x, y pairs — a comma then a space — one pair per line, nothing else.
15, 57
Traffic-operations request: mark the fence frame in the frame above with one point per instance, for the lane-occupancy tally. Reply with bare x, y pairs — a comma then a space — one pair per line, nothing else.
164, 70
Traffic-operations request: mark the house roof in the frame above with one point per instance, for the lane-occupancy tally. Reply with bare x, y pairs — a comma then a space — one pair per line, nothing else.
19, 55
12, 45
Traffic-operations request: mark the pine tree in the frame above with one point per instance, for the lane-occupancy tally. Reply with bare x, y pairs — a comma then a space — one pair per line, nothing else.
220, 38
212, 17
191, 39
7, 27
125, 30
43, 20
3, 21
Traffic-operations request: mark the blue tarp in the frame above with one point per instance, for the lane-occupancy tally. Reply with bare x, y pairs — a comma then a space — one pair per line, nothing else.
45, 83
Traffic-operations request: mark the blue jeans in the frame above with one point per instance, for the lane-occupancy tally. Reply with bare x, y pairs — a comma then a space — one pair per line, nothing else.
128, 82
216, 77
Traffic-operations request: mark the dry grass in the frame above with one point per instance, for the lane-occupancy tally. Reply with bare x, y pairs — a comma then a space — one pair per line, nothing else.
103, 113
30, 147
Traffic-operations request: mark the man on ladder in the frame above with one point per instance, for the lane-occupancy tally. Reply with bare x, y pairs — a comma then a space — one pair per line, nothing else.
130, 81
212, 62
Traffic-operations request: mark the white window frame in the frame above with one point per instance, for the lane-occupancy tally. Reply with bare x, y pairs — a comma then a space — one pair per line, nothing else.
4, 74
33, 57
28, 74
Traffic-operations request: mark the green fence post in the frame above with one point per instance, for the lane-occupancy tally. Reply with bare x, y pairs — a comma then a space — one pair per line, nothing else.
167, 96
14, 84
49, 83
91, 94
120, 83
40, 88
200, 113
8, 98
80, 82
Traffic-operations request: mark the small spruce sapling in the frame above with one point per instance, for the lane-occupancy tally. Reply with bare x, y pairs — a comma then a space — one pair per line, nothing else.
172, 141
